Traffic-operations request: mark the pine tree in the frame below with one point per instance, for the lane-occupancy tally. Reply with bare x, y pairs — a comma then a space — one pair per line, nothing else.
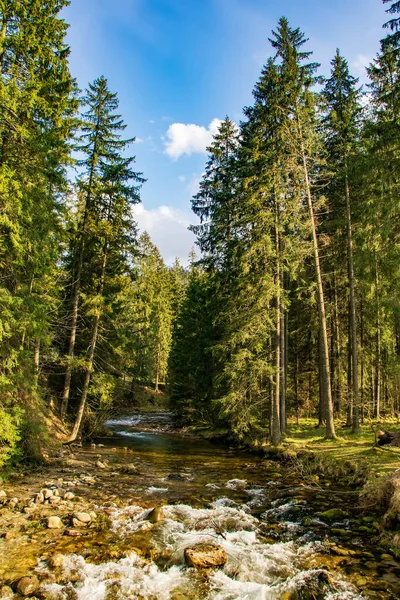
101, 144
115, 238
393, 24
342, 129
37, 109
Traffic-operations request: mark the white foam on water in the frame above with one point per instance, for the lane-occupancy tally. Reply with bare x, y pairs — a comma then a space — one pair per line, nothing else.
127, 422
212, 486
254, 570
156, 490
131, 577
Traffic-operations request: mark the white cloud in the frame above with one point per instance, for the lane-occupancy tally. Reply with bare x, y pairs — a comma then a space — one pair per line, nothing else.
139, 140
194, 184
189, 138
359, 64
152, 121
168, 229
182, 178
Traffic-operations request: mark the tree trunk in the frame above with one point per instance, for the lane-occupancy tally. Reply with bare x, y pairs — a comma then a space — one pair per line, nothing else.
77, 283
378, 346
352, 308
275, 426
338, 352
93, 341
326, 378
72, 338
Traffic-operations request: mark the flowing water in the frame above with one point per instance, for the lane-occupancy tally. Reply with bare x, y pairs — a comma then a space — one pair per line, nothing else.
265, 517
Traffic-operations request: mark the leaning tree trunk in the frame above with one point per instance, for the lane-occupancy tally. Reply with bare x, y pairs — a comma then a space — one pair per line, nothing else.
72, 337
89, 368
325, 370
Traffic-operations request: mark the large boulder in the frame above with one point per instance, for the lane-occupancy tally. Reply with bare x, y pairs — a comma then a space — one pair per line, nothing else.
205, 556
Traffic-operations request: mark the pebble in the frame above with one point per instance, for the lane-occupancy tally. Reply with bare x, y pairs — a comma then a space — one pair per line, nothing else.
3, 496
57, 560
81, 519
69, 496
39, 498
72, 533
6, 592
54, 523
55, 500
101, 465
27, 586
47, 493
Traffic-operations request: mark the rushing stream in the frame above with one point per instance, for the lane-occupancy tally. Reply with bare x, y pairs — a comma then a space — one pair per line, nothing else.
268, 521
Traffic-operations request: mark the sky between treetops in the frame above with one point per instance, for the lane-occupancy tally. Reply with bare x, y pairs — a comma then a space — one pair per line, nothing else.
180, 66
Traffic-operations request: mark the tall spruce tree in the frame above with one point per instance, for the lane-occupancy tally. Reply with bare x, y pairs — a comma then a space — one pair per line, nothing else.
101, 144
36, 117
342, 130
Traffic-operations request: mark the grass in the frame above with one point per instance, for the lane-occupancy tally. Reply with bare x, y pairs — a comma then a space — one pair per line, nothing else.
348, 446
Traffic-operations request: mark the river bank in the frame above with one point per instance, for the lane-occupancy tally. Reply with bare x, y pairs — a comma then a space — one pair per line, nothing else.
283, 538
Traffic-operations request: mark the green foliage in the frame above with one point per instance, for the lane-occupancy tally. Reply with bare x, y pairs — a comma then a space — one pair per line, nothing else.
10, 434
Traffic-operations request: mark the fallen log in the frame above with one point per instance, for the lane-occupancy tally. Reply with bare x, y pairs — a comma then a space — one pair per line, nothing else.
391, 438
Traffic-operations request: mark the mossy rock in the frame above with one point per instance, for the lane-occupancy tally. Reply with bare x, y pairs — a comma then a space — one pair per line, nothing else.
365, 529
334, 514
340, 532
368, 519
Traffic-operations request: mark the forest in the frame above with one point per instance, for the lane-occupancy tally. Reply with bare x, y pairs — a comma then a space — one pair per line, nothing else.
289, 307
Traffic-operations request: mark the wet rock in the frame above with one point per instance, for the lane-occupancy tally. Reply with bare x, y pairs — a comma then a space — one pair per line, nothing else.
27, 586
69, 496
129, 469
3, 496
54, 523
56, 561
83, 517
156, 515
47, 493
39, 498
73, 533
101, 465
205, 556
6, 592
55, 500
334, 514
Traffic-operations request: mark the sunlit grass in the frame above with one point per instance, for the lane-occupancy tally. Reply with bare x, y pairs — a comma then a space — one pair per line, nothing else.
348, 446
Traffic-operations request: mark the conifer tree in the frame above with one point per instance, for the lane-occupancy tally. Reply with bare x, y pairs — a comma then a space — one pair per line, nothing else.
36, 118
341, 95
393, 24
101, 144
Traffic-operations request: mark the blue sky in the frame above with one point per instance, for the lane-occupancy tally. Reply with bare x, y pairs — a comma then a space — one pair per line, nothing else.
179, 65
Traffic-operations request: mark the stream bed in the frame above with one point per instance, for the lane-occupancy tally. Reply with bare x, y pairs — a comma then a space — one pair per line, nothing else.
284, 539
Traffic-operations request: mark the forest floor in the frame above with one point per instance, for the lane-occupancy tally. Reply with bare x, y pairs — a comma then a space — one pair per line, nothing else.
358, 448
